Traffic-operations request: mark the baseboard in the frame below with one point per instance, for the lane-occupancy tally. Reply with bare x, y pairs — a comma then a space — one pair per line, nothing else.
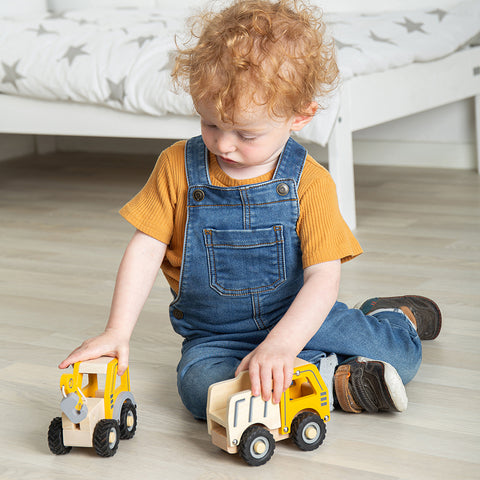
415, 154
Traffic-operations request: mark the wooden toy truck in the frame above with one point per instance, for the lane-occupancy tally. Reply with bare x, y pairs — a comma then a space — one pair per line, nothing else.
239, 422
98, 409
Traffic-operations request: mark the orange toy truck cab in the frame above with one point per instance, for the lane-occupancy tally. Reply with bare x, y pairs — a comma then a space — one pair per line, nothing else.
240, 422
98, 408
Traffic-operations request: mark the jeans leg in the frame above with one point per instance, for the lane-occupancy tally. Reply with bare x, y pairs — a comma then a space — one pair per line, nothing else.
193, 384
386, 336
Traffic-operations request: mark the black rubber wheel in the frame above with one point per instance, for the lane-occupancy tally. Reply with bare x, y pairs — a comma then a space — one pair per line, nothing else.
106, 437
308, 431
55, 437
128, 420
256, 446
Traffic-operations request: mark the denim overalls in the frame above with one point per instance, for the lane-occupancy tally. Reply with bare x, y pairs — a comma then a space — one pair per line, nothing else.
241, 270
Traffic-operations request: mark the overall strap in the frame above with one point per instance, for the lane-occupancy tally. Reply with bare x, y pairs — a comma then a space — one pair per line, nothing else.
291, 162
196, 162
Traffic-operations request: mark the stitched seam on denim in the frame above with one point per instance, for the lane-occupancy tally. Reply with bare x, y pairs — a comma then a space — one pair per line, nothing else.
245, 207
240, 205
247, 245
184, 256
260, 324
262, 288
215, 284
240, 291
280, 256
255, 305
248, 210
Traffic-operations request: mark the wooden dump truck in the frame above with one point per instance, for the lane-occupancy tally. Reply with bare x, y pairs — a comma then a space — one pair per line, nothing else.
241, 423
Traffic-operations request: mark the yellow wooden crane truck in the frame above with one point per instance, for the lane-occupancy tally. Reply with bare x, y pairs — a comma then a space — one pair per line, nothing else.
98, 409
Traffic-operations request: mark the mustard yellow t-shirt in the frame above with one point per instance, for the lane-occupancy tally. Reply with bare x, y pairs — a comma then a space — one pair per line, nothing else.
160, 210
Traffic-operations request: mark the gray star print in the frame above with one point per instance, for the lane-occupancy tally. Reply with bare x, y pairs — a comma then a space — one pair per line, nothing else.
376, 38
74, 52
341, 45
439, 12
42, 31
411, 26
11, 74
142, 40
117, 90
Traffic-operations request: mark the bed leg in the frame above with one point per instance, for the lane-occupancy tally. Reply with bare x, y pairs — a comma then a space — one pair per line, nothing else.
340, 165
477, 130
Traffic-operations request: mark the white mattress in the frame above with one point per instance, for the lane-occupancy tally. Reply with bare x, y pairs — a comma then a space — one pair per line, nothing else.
121, 58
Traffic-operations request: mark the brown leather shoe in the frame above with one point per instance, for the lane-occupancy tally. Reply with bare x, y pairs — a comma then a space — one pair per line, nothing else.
423, 312
368, 385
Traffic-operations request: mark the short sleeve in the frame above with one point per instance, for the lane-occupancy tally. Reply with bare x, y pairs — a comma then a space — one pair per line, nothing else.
152, 210
323, 232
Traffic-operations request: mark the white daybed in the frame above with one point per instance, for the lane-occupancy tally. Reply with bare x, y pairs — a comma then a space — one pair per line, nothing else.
107, 102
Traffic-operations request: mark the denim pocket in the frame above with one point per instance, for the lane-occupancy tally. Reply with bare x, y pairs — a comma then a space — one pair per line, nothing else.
241, 262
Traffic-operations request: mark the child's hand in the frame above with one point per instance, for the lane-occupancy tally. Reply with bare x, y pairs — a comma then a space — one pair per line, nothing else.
108, 344
270, 369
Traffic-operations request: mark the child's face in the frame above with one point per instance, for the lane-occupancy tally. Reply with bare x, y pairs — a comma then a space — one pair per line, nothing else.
251, 146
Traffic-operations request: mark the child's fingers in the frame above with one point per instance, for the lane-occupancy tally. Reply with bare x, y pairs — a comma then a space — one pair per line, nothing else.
122, 356
255, 383
89, 350
287, 377
266, 380
74, 357
278, 384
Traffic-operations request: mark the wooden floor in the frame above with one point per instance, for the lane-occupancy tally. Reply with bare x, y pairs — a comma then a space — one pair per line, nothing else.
60, 244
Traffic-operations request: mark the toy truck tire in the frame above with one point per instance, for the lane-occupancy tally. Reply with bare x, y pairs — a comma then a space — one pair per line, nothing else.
308, 431
128, 420
106, 437
256, 445
55, 437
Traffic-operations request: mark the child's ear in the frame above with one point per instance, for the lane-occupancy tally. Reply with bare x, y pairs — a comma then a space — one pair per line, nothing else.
299, 121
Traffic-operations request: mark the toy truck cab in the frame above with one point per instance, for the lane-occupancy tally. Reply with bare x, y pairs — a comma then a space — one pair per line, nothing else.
240, 422
98, 408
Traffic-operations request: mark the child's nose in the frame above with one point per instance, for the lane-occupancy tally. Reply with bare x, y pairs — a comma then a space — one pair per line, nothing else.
225, 142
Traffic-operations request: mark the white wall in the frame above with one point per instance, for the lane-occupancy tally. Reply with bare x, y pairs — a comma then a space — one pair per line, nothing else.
453, 123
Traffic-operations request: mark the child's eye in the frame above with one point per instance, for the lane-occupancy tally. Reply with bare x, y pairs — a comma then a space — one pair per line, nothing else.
247, 138
208, 125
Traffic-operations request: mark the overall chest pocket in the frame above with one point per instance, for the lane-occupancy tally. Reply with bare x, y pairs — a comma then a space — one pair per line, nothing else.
241, 262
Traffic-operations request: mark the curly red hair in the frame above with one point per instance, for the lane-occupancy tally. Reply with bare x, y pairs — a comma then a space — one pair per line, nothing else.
255, 51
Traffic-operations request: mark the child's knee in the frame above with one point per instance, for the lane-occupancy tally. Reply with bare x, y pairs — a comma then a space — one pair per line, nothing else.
193, 390
193, 383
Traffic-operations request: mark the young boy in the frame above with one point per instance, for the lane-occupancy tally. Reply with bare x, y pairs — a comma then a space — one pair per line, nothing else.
246, 228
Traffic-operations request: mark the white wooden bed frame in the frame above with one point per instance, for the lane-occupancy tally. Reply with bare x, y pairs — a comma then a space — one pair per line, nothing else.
365, 101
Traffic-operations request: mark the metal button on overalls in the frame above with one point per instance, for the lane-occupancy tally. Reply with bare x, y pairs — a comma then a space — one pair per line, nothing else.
282, 189
198, 195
